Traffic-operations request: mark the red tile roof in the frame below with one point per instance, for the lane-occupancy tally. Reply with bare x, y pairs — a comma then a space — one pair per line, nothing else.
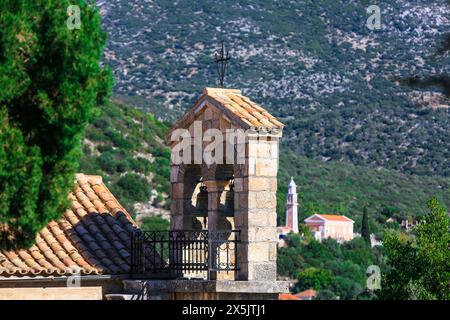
92, 236
288, 296
304, 295
243, 108
333, 217
238, 108
307, 294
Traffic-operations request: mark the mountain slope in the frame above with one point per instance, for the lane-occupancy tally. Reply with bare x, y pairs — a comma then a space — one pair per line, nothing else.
313, 63
126, 147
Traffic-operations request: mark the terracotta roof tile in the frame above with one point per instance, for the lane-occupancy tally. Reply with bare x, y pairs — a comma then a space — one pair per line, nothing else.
93, 235
243, 107
333, 217
238, 108
287, 296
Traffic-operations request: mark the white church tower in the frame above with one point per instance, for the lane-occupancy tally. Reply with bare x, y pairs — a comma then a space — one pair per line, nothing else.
291, 207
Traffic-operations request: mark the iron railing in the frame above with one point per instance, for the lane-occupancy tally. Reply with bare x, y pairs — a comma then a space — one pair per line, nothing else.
172, 253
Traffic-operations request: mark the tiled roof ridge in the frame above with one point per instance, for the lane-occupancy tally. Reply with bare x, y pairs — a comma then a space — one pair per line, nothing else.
211, 90
338, 217
238, 108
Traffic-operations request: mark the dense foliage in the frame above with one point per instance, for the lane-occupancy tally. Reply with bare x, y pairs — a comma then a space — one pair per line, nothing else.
155, 223
125, 146
365, 230
336, 271
51, 81
419, 264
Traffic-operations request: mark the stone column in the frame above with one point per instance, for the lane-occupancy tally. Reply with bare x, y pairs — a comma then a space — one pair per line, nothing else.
215, 189
176, 207
255, 210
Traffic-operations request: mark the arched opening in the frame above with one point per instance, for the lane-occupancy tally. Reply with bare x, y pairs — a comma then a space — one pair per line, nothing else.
195, 199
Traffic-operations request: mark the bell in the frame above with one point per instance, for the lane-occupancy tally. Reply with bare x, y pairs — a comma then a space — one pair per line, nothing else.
228, 208
201, 208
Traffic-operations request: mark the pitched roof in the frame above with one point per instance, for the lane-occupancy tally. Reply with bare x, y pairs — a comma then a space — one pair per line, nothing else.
92, 236
304, 295
238, 108
331, 217
310, 293
287, 296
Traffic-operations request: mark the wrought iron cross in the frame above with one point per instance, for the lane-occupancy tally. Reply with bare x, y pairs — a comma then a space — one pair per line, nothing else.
221, 57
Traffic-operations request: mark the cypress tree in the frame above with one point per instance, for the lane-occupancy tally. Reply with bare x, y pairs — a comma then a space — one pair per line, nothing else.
51, 81
365, 231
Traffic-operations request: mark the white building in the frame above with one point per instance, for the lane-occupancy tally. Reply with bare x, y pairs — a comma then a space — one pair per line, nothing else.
291, 207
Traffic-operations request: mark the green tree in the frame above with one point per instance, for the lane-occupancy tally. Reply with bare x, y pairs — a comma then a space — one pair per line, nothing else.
155, 223
420, 265
133, 187
365, 230
314, 278
51, 80
325, 295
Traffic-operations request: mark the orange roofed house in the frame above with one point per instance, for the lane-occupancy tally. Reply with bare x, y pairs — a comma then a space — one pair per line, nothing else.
304, 295
91, 240
332, 226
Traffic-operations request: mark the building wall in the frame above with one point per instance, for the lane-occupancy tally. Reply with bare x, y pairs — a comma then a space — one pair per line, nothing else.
81, 293
338, 230
56, 289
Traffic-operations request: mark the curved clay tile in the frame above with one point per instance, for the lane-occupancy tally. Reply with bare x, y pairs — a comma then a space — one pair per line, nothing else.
93, 236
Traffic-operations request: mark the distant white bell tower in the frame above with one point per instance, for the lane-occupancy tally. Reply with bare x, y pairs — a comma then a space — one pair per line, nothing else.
291, 207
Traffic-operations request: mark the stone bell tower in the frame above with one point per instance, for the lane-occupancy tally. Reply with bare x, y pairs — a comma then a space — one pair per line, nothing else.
235, 191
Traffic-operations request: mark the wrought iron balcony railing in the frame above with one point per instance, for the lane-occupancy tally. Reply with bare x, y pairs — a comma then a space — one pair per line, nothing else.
172, 253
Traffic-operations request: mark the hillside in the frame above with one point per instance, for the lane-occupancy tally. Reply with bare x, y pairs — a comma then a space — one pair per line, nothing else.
344, 188
313, 63
125, 146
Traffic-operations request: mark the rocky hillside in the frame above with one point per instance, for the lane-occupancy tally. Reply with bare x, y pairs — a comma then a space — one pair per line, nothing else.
313, 63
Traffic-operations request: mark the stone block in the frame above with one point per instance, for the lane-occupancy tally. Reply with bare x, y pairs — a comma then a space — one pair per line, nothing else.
262, 271
266, 167
258, 251
252, 164
264, 150
266, 234
252, 148
208, 114
261, 218
264, 199
262, 184
273, 252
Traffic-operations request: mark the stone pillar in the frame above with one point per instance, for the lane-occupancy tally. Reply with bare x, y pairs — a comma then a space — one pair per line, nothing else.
215, 189
177, 204
255, 210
